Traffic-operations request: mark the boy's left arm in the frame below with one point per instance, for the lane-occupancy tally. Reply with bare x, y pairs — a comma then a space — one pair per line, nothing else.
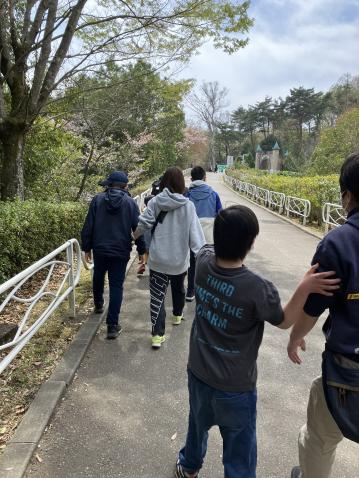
321, 283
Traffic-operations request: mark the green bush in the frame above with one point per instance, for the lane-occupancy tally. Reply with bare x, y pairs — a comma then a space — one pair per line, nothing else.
29, 230
336, 144
318, 189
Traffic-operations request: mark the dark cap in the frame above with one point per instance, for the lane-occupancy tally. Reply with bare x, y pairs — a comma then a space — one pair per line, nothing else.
115, 177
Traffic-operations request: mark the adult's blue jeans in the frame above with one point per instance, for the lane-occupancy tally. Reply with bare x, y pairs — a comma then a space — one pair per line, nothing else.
116, 270
235, 415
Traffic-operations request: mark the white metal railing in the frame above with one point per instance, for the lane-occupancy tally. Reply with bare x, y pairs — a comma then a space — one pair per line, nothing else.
262, 196
28, 325
251, 190
333, 215
297, 207
276, 200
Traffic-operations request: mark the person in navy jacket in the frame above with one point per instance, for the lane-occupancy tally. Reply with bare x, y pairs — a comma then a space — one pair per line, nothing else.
107, 240
339, 252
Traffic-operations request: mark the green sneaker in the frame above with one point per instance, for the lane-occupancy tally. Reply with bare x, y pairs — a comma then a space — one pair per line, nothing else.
177, 319
157, 341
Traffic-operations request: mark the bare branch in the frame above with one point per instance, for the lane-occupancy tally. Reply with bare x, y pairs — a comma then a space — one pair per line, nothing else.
60, 54
27, 19
39, 73
36, 24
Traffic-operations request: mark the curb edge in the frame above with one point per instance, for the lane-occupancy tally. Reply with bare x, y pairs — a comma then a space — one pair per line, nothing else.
20, 449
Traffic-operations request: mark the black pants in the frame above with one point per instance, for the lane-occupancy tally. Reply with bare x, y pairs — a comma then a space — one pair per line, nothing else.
158, 289
191, 274
116, 269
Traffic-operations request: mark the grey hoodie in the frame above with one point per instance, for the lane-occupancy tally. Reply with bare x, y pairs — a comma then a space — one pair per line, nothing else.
179, 232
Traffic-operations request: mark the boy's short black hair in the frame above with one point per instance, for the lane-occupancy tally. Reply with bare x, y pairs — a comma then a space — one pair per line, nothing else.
235, 229
349, 175
198, 173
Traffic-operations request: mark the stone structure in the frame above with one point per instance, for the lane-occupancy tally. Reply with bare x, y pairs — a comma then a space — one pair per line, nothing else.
268, 160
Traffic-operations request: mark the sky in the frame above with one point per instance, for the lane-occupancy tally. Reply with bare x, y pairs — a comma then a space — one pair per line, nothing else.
293, 43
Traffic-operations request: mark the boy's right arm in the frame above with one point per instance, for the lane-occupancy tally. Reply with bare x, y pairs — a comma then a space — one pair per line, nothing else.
146, 220
312, 283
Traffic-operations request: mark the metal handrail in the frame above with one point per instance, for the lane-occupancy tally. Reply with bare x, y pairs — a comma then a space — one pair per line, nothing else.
276, 200
333, 215
291, 204
298, 207
251, 190
262, 196
11, 287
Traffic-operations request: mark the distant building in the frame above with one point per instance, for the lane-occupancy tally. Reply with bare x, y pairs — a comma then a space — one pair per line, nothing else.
268, 160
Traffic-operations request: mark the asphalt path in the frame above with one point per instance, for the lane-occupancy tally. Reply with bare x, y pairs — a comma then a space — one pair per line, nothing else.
125, 415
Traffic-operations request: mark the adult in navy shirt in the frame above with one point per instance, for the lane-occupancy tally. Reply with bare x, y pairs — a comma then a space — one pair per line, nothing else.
107, 232
207, 204
338, 251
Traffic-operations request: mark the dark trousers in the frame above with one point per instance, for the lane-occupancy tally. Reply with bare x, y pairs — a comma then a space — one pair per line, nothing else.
116, 269
235, 414
191, 274
158, 289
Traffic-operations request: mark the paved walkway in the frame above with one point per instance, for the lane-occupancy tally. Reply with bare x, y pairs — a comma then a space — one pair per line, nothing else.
126, 413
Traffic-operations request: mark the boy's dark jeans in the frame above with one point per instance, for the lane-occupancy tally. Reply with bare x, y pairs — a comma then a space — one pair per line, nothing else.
235, 415
158, 289
191, 274
116, 269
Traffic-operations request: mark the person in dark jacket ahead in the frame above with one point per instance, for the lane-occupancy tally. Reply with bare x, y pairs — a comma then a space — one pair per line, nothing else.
207, 204
107, 233
338, 251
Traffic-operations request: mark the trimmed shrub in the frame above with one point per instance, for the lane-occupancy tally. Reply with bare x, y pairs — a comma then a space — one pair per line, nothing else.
29, 230
318, 189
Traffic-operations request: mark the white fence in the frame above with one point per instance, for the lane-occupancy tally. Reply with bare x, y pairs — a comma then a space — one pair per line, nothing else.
272, 199
297, 207
333, 215
276, 201
32, 319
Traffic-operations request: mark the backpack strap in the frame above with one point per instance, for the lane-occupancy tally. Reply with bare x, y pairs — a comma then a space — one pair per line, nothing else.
159, 220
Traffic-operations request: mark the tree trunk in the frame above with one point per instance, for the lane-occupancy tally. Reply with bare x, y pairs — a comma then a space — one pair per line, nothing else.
85, 174
12, 171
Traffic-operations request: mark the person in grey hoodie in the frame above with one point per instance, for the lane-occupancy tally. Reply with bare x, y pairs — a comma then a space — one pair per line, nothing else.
207, 204
175, 231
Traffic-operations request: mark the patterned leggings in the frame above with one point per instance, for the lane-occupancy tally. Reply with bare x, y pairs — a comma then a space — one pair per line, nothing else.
158, 289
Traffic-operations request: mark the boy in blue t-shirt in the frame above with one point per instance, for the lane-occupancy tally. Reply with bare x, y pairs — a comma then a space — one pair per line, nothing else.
232, 305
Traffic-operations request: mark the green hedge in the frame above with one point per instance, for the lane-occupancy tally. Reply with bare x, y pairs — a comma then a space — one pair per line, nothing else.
318, 189
29, 230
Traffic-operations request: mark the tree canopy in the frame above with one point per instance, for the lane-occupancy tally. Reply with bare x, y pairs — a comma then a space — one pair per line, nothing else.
44, 43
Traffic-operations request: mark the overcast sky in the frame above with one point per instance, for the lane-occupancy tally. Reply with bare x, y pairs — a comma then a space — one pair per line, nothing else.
293, 43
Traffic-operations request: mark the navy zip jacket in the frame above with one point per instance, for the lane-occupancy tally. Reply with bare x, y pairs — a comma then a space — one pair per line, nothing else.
339, 251
111, 218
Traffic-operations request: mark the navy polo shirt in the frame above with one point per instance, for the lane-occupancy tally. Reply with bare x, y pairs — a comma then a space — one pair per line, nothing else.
339, 251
